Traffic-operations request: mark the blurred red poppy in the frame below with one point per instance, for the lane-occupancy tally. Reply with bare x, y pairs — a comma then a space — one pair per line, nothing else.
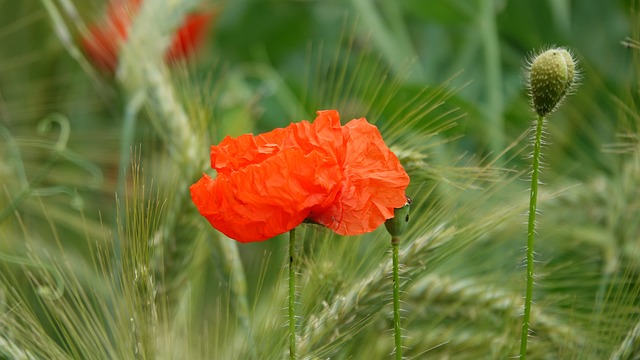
102, 43
343, 177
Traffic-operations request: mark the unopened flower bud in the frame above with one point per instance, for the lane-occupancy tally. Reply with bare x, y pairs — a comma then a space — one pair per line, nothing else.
551, 76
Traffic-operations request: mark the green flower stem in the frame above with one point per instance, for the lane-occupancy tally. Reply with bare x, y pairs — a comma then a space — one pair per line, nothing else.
533, 204
395, 242
292, 294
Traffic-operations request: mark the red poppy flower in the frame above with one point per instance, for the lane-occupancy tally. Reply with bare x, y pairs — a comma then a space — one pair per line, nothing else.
343, 177
102, 43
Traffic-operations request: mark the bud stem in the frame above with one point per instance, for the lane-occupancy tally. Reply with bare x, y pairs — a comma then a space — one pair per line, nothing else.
533, 204
292, 294
395, 242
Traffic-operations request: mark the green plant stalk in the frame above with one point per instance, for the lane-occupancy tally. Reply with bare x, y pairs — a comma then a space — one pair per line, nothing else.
531, 224
292, 294
395, 242
67, 40
142, 71
492, 67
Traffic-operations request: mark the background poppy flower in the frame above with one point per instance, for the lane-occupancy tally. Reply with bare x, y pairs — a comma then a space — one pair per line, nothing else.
343, 177
102, 43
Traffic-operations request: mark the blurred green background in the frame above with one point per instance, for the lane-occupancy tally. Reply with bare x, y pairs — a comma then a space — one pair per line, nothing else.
266, 63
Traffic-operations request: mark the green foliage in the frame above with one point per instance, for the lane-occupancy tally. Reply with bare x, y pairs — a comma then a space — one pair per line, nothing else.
86, 276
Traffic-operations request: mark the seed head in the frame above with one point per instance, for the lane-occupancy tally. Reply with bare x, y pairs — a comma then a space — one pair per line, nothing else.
398, 223
551, 76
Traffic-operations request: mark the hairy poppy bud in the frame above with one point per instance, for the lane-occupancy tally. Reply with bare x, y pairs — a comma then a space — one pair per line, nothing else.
398, 223
551, 75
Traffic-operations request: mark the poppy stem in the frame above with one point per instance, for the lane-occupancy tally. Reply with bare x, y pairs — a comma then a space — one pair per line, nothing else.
395, 242
533, 204
292, 294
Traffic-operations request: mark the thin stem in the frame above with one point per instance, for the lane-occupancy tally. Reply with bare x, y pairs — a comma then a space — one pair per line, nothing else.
292, 294
533, 204
395, 242
67, 40
493, 71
